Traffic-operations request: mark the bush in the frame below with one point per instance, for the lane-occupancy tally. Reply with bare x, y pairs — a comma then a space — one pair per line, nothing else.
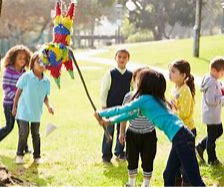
140, 36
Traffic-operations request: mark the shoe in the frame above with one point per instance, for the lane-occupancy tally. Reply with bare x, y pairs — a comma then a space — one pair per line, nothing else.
106, 161
38, 161
19, 159
215, 163
121, 158
199, 152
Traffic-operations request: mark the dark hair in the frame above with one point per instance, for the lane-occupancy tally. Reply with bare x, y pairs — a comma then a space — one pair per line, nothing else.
124, 51
217, 63
34, 57
11, 54
184, 67
152, 83
137, 71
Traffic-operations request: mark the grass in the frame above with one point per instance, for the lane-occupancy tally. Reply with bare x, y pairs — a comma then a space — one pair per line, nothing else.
72, 154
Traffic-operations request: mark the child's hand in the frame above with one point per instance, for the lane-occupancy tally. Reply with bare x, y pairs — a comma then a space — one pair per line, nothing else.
97, 116
104, 122
122, 138
14, 111
51, 110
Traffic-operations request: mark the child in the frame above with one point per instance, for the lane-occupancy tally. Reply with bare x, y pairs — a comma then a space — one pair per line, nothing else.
212, 102
141, 140
115, 85
33, 90
183, 99
15, 61
150, 101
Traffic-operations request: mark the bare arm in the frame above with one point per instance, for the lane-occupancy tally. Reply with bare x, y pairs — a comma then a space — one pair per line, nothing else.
122, 132
16, 100
46, 102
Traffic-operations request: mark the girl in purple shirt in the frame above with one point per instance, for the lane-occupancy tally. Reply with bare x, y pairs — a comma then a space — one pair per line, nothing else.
15, 62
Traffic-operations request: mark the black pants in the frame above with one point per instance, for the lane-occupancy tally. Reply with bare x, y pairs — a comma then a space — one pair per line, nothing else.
208, 143
23, 135
143, 145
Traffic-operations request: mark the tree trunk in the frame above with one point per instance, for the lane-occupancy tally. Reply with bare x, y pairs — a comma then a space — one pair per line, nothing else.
0, 7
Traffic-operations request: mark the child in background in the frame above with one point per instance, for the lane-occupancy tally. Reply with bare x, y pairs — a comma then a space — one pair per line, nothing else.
115, 84
33, 90
140, 140
183, 99
15, 62
150, 101
212, 102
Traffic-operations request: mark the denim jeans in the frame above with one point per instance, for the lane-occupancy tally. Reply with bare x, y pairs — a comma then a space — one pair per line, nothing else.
107, 147
23, 135
10, 120
208, 143
182, 154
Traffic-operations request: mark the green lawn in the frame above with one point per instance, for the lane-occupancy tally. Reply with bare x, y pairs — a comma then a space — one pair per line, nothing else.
72, 154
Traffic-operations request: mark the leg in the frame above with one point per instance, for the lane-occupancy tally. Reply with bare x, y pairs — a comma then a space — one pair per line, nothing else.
119, 149
185, 148
23, 135
172, 166
107, 147
132, 153
148, 153
10, 120
36, 139
26, 149
211, 130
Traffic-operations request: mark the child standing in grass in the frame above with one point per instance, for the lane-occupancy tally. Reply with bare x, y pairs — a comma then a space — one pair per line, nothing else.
150, 101
140, 140
33, 90
15, 62
183, 99
116, 83
212, 102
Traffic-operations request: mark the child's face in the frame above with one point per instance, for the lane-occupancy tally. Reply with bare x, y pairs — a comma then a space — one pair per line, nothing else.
21, 59
122, 58
217, 74
175, 75
38, 67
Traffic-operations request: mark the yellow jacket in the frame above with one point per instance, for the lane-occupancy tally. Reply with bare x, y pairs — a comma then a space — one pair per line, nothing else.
183, 101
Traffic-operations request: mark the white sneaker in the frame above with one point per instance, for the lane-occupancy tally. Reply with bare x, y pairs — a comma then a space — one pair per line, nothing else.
38, 161
19, 159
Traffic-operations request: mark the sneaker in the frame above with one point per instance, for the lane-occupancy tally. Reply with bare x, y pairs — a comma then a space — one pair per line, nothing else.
19, 159
199, 152
38, 161
215, 163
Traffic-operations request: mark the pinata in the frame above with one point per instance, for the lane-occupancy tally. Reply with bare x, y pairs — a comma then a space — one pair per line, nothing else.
56, 53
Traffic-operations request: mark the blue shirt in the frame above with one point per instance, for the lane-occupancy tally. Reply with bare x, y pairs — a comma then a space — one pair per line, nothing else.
158, 114
32, 97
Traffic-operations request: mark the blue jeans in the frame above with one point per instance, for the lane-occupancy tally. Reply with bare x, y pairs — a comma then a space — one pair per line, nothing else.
107, 147
208, 143
182, 154
10, 121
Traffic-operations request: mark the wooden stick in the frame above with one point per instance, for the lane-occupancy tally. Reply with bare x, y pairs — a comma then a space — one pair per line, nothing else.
109, 138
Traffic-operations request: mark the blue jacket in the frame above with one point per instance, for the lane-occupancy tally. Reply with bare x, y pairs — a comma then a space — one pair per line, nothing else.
150, 107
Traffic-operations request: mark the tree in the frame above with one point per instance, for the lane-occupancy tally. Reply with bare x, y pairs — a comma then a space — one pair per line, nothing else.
0, 7
155, 15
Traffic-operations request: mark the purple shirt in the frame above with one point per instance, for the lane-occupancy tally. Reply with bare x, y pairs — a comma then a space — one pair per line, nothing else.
10, 79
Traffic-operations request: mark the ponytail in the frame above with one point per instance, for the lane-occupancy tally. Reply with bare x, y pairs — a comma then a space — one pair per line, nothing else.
191, 85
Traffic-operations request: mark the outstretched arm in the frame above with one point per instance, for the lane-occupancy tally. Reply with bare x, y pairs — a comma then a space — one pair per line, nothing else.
118, 110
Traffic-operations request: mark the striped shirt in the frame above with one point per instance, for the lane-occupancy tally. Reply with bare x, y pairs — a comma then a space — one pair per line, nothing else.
140, 124
10, 79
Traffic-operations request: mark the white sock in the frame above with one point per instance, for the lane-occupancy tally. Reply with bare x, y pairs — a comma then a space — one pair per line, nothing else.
146, 182
131, 181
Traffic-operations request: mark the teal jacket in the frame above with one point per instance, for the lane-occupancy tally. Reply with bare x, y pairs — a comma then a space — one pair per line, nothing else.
155, 111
